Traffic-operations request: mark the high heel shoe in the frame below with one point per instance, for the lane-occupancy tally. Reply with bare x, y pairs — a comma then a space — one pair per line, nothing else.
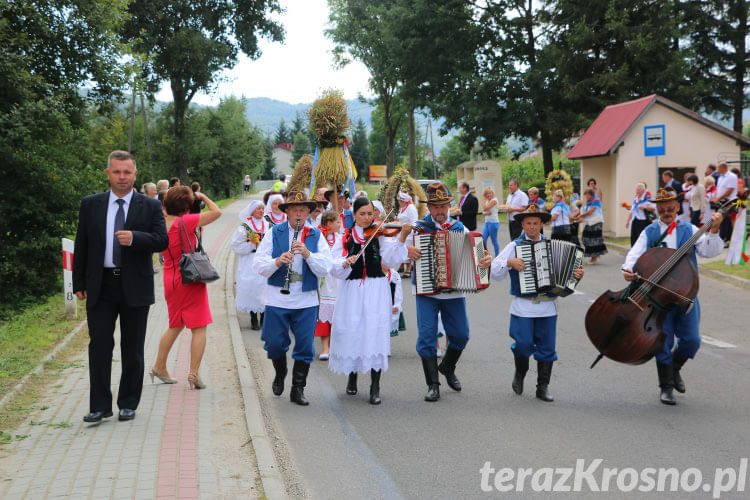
195, 381
162, 377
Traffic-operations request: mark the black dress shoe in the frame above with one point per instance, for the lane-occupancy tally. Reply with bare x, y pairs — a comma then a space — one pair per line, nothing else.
126, 414
97, 416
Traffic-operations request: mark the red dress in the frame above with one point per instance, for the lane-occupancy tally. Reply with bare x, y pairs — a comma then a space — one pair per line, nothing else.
187, 304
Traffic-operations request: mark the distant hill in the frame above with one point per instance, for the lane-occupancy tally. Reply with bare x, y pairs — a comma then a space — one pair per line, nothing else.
266, 114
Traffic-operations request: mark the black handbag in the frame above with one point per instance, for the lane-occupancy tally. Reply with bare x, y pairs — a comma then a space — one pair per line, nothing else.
195, 267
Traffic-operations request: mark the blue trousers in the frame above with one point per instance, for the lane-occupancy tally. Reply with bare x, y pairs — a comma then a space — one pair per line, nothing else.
535, 336
455, 321
490, 229
686, 328
276, 324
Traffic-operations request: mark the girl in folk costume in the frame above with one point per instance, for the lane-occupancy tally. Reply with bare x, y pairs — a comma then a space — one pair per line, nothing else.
379, 211
329, 285
593, 219
407, 214
560, 218
397, 296
360, 334
274, 215
245, 240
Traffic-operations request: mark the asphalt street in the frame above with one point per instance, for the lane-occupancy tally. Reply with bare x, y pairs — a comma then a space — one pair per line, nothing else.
342, 447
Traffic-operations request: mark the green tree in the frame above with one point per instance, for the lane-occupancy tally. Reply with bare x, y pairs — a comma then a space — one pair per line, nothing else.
359, 147
717, 33
300, 146
189, 43
454, 153
283, 134
377, 141
358, 31
49, 50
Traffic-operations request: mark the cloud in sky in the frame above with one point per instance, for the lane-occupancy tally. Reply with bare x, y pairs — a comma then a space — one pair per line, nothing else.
295, 71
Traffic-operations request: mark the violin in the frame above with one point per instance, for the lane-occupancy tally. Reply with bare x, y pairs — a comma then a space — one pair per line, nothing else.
388, 230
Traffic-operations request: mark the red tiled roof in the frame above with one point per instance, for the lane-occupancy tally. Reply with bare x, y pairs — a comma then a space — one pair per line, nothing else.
284, 145
606, 134
609, 127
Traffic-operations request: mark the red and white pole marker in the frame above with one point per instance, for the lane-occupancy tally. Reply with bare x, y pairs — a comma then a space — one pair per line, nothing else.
71, 302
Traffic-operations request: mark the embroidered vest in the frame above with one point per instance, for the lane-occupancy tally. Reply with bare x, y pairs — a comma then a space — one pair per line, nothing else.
371, 262
515, 285
280, 235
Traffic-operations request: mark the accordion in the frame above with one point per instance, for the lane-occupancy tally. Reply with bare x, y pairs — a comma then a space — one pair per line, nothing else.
549, 267
449, 262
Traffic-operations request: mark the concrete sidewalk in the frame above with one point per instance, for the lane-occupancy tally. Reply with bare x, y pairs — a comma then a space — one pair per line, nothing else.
182, 444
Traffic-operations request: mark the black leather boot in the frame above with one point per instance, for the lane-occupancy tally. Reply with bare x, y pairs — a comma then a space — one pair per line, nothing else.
374, 387
278, 382
678, 360
448, 368
522, 366
666, 383
544, 369
299, 380
260, 323
430, 367
351, 384
254, 321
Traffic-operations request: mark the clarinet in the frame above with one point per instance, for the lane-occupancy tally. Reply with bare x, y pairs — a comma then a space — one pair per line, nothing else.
285, 288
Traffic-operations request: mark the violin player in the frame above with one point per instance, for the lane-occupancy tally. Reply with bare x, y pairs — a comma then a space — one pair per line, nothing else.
683, 321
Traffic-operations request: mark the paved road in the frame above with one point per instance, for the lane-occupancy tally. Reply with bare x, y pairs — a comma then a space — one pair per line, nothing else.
342, 447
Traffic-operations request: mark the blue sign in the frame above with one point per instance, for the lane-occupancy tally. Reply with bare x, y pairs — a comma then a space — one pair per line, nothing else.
653, 140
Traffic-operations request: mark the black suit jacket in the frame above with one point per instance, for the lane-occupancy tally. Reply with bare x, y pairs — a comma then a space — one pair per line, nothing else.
469, 211
146, 220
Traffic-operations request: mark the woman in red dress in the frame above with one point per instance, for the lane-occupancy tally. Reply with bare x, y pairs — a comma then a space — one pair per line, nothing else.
187, 304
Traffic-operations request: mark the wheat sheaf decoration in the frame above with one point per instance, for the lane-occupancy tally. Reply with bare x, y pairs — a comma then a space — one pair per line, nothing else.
400, 181
302, 174
329, 121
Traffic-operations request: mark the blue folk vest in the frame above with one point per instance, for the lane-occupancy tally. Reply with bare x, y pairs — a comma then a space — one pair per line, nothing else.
684, 232
281, 244
515, 285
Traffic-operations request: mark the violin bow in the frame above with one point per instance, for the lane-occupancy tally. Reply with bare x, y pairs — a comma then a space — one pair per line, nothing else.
375, 233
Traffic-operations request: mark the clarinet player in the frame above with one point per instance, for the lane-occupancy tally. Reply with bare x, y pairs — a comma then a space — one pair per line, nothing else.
310, 259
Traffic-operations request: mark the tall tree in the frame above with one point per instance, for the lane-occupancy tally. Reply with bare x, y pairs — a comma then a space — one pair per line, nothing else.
358, 32
189, 43
55, 58
300, 146
283, 134
377, 142
717, 32
359, 146
454, 153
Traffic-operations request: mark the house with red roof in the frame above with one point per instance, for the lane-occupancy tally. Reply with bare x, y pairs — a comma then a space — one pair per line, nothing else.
282, 158
635, 141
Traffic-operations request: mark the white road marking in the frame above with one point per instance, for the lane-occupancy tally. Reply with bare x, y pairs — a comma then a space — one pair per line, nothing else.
717, 343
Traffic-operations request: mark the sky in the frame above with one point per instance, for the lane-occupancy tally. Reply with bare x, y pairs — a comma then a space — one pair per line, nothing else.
296, 71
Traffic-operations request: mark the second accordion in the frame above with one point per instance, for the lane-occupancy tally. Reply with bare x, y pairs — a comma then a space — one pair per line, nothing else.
449, 262
549, 267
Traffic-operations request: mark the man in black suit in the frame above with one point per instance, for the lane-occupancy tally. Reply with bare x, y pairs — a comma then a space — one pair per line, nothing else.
468, 206
118, 230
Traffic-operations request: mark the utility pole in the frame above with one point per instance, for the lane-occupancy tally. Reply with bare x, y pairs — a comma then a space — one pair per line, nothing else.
432, 149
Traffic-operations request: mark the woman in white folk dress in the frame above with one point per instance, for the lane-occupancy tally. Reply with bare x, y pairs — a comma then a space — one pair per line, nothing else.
250, 285
361, 329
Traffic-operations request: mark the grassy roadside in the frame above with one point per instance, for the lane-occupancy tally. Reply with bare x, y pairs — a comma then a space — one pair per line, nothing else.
738, 271
25, 340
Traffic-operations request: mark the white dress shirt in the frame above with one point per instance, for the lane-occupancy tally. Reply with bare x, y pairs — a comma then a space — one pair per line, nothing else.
519, 199
265, 265
521, 307
112, 208
708, 245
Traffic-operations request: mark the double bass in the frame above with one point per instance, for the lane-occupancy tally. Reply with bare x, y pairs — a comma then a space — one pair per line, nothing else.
626, 325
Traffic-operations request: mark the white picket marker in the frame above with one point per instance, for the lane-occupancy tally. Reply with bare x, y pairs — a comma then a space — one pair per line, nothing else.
71, 301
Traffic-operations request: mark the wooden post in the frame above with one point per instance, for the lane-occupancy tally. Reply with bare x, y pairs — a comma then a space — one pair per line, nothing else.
71, 302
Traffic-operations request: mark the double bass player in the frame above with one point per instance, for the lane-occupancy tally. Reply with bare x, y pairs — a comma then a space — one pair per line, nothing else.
683, 321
